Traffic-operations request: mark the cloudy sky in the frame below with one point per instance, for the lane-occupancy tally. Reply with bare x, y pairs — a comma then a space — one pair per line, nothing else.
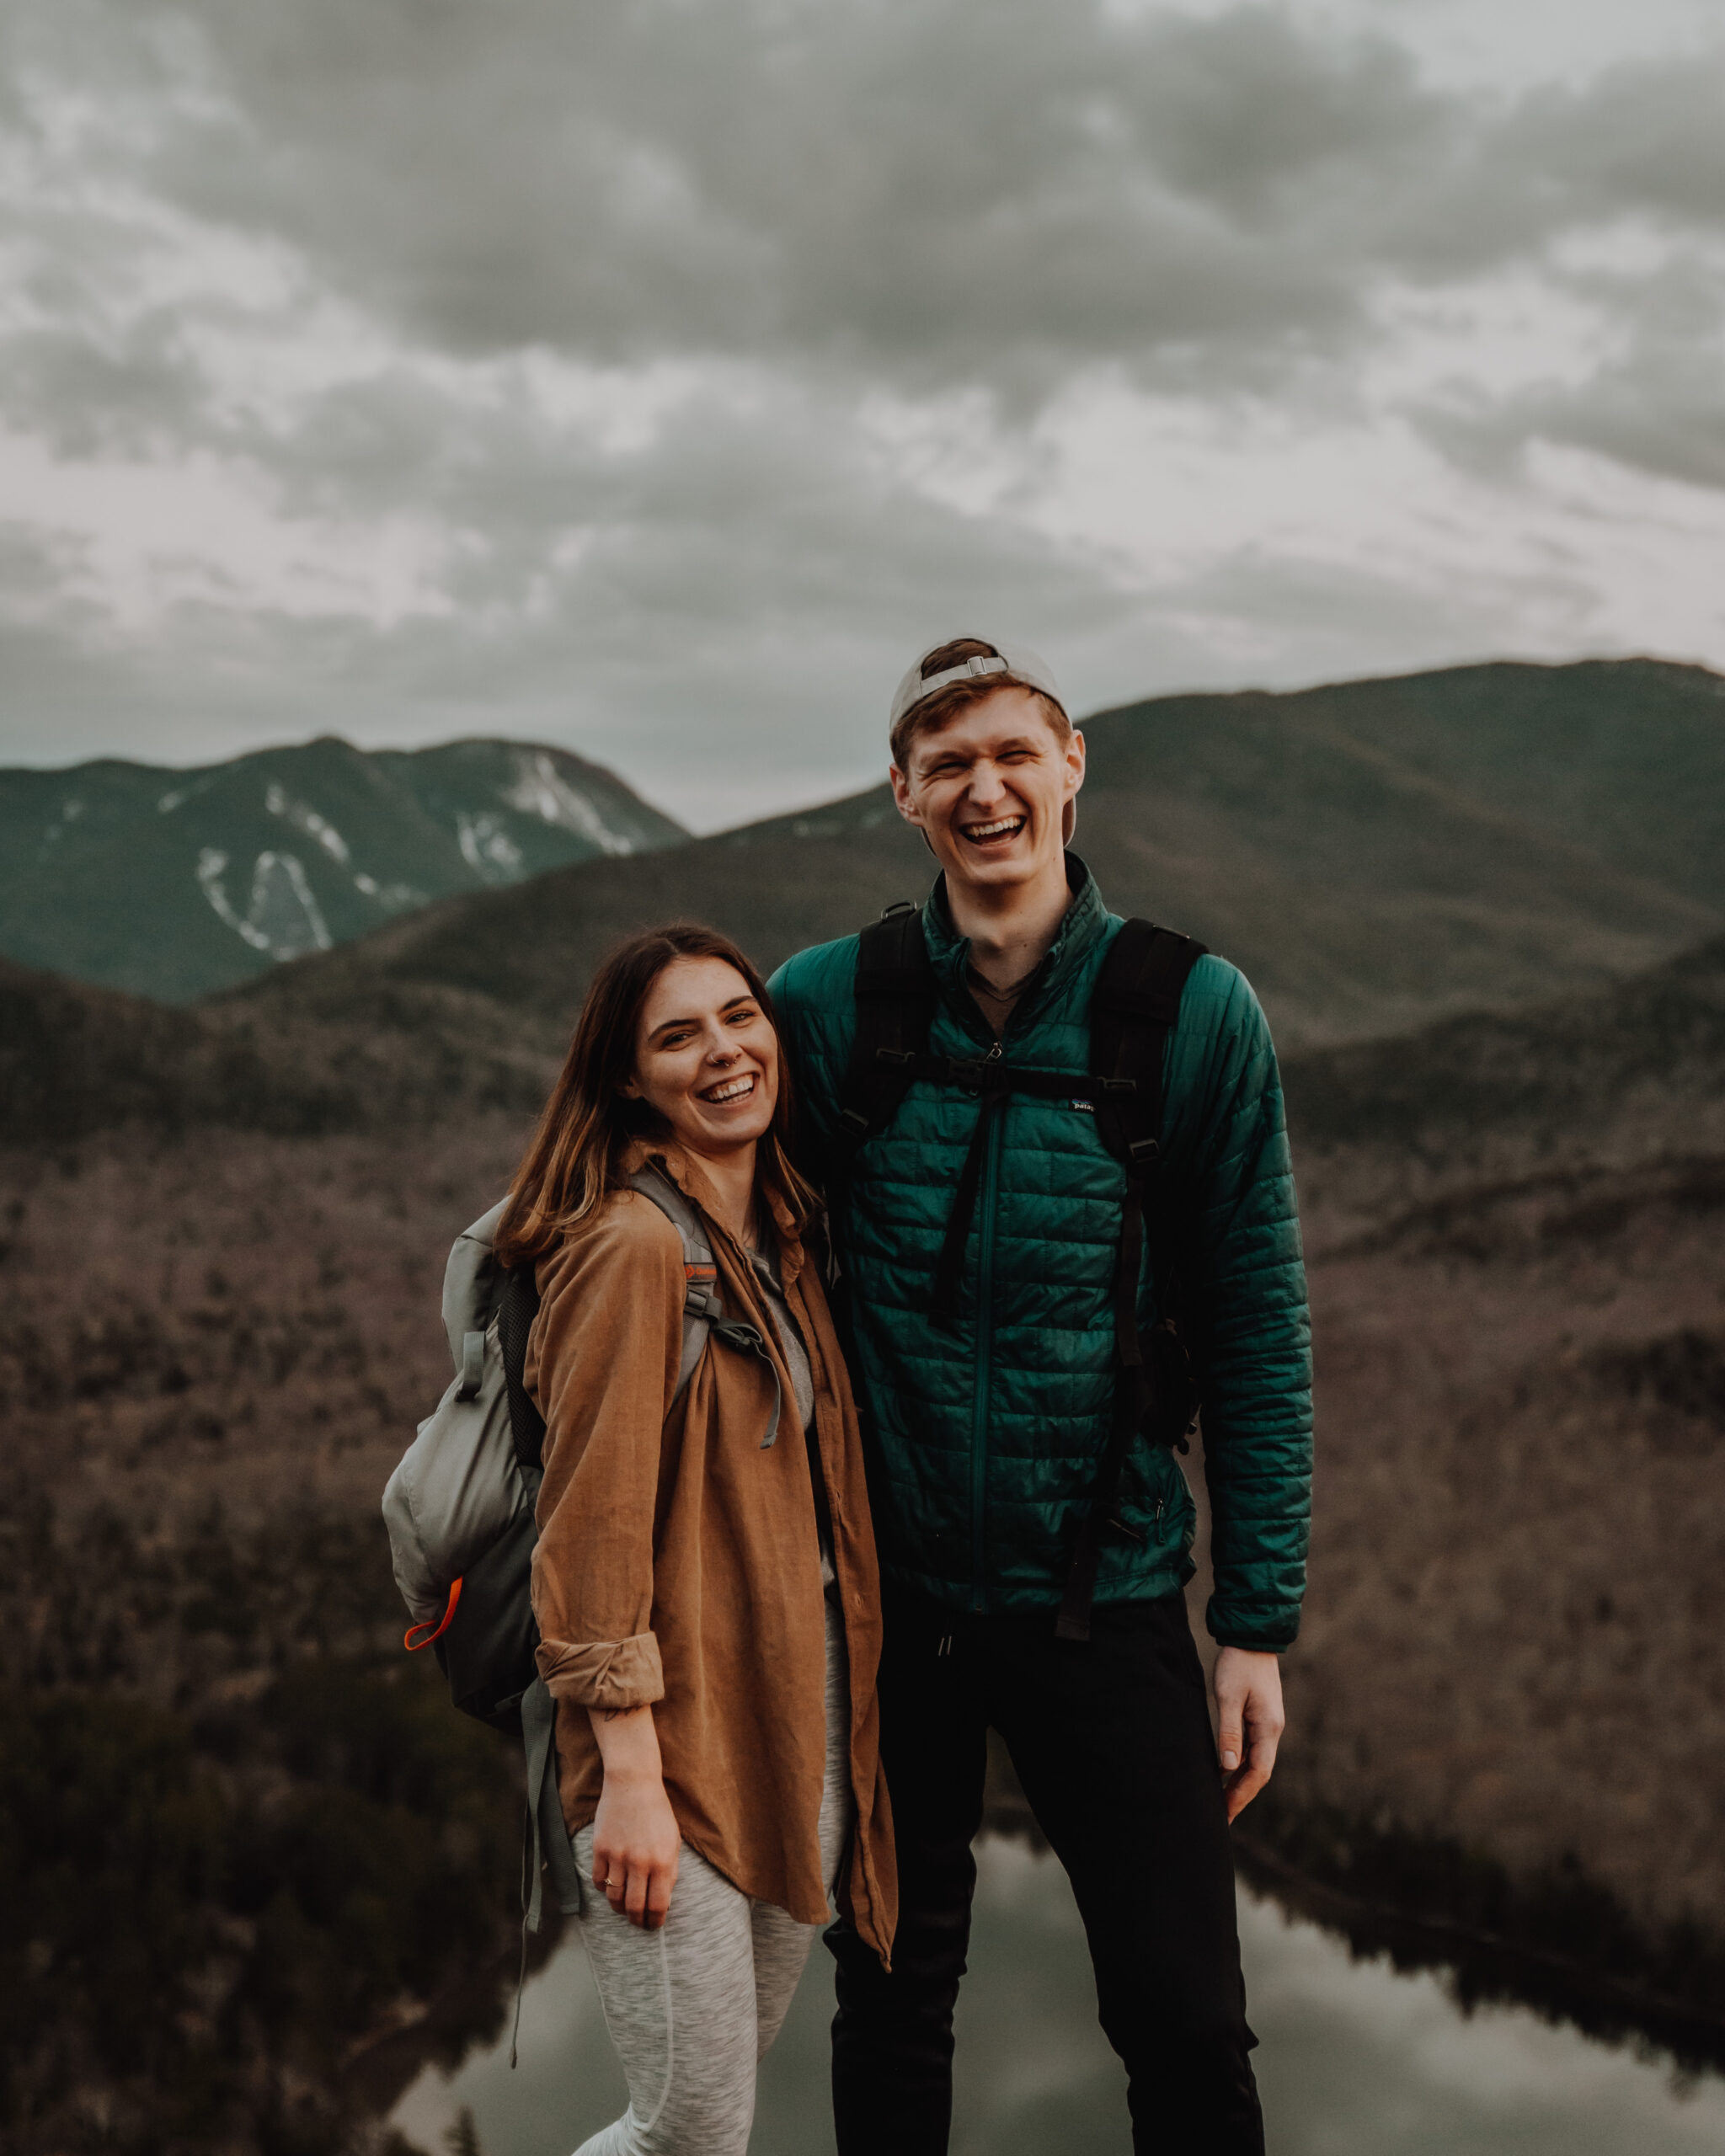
656, 376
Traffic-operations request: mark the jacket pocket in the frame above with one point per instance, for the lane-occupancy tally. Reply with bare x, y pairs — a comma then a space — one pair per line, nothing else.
1156, 1502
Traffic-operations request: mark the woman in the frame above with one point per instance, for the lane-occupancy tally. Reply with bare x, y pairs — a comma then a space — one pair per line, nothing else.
705, 1582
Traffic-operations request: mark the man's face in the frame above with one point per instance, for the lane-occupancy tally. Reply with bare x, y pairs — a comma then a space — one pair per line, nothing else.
990, 789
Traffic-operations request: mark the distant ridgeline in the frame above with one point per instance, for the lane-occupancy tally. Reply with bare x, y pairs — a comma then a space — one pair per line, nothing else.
171, 884
1374, 854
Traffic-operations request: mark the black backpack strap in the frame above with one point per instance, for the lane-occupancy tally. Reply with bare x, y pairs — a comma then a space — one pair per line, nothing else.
895, 1002
1133, 1010
516, 1313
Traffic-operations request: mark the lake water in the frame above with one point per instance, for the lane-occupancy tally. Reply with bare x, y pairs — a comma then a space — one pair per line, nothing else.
1353, 2061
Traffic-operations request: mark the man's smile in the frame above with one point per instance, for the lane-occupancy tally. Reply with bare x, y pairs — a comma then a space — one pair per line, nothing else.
1000, 832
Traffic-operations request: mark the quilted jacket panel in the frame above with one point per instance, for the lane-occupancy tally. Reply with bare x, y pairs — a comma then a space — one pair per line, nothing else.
984, 1439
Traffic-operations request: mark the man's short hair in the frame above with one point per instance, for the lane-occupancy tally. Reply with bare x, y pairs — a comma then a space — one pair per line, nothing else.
918, 715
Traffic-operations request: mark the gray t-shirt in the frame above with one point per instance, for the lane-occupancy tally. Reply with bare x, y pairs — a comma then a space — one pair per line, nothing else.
796, 1355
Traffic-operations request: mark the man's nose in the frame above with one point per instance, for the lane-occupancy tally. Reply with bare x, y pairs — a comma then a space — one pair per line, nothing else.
987, 787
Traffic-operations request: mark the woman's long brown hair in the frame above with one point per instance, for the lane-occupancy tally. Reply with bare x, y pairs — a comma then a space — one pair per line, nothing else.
588, 1124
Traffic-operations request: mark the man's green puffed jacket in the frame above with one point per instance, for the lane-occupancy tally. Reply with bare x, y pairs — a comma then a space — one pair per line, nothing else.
985, 1440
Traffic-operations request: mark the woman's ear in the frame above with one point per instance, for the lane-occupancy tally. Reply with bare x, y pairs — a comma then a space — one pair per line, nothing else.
629, 1090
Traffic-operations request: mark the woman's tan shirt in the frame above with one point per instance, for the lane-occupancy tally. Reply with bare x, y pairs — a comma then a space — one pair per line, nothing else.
678, 1562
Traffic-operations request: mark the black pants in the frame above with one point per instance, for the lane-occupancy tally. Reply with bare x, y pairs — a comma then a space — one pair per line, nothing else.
1112, 1742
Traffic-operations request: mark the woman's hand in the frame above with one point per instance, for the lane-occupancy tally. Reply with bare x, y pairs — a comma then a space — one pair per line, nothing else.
636, 1843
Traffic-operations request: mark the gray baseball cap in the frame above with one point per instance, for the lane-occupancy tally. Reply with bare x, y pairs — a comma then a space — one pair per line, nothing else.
1013, 665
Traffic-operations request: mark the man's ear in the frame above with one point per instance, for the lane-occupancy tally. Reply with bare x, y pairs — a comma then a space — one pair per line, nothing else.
1075, 766
907, 807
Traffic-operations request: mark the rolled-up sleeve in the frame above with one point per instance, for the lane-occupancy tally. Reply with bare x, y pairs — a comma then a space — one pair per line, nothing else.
602, 1364
604, 1673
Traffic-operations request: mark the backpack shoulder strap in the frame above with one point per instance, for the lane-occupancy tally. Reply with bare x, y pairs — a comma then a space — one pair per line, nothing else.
1132, 1012
473, 1281
1134, 1006
519, 1305
517, 1309
895, 1004
703, 1308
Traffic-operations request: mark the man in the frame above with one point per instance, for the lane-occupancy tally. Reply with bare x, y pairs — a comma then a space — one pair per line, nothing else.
1034, 1523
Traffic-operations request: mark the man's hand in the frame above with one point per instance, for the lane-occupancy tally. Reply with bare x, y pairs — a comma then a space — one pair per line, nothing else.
1249, 1721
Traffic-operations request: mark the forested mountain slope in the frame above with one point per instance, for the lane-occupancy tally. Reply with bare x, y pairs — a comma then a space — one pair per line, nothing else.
171, 883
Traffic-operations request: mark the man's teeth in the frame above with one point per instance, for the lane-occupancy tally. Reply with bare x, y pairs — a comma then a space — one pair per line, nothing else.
734, 1090
995, 829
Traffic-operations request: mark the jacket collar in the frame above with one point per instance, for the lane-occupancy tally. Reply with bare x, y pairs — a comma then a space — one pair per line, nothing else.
685, 1171
1082, 923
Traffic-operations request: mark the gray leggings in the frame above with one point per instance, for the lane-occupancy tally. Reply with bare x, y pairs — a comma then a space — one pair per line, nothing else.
693, 2007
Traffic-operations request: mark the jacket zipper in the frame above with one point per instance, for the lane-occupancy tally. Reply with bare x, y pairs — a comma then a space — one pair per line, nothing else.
985, 1344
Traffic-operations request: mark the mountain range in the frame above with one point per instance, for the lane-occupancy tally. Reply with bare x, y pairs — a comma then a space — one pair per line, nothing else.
171, 884
1373, 855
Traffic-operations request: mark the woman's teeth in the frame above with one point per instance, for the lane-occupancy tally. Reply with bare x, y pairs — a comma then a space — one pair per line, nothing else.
734, 1089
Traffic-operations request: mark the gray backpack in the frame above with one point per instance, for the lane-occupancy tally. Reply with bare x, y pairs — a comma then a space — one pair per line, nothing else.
460, 1505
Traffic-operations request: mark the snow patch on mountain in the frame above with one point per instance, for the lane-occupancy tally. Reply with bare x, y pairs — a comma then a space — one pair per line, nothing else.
540, 790
282, 917
487, 847
394, 898
281, 803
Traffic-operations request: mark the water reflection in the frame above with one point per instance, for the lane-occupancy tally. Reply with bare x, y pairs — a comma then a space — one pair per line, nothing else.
1353, 2060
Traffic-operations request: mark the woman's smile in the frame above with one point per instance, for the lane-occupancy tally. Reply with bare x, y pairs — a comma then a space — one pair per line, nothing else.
728, 1090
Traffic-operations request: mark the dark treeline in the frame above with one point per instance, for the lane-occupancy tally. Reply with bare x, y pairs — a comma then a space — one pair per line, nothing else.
210, 1907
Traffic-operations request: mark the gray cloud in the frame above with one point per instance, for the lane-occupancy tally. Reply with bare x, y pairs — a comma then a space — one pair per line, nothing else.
721, 623
1644, 137
809, 207
943, 190
925, 186
1656, 405
930, 192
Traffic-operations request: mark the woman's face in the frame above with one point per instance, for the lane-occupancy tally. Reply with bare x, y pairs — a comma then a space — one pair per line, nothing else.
706, 1056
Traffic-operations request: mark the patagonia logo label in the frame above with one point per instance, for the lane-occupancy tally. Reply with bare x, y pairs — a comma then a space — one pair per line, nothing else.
1087, 1107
